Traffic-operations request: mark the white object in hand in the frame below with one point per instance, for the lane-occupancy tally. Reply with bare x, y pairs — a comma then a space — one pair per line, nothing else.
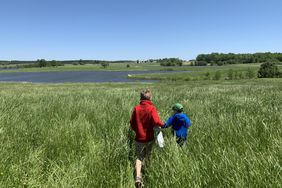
160, 139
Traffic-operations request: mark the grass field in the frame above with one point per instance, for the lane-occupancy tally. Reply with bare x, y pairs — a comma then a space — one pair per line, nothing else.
77, 135
239, 71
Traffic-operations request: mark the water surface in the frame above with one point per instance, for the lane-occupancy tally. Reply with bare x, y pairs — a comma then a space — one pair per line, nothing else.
75, 76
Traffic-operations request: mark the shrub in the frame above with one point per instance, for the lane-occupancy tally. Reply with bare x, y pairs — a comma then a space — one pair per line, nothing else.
230, 74
105, 64
268, 70
217, 75
42, 63
201, 63
250, 73
81, 62
236, 75
170, 62
220, 63
55, 63
207, 76
187, 78
241, 76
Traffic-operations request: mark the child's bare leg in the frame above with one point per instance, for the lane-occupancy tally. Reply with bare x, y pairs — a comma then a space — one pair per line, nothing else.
138, 166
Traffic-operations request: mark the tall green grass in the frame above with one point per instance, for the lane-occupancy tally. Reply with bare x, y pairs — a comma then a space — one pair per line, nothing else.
77, 135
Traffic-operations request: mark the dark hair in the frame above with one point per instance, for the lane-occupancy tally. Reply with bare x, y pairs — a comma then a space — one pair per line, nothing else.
179, 111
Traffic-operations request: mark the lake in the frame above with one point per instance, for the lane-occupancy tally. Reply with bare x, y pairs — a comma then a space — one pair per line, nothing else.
75, 76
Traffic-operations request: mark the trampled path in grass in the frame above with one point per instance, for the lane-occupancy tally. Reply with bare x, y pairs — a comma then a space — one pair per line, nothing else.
77, 135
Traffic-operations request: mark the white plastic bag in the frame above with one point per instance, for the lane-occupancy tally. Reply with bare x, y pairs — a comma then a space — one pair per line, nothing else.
159, 137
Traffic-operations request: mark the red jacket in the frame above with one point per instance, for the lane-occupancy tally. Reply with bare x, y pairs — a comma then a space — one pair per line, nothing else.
143, 119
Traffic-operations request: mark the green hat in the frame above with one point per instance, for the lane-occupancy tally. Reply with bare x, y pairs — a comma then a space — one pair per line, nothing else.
177, 107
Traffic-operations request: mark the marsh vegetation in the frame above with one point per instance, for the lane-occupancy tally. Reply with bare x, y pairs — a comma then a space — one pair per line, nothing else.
77, 135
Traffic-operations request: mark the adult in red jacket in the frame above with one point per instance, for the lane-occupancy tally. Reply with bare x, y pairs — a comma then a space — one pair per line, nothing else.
143, 119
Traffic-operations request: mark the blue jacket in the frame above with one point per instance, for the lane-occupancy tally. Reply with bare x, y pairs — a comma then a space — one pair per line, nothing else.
180, 123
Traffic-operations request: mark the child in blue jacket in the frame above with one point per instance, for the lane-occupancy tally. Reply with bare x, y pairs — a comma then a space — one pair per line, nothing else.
180, 124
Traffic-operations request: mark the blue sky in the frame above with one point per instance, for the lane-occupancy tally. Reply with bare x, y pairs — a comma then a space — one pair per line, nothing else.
137, 29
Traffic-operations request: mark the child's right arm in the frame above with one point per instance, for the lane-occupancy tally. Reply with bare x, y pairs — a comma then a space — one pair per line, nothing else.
168, 122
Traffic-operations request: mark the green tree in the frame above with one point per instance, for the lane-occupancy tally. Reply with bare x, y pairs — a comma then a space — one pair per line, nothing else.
54, 63
42, 63
179, 63
105, 64
268, 70
81, 62
170, 62
201, 63
230, 58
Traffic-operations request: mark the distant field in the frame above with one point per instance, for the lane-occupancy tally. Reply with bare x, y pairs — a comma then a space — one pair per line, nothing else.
97, 67
239, 71
77, 135
132, 66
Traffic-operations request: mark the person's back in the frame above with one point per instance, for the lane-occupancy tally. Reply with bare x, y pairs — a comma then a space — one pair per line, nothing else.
143, 119
180, 124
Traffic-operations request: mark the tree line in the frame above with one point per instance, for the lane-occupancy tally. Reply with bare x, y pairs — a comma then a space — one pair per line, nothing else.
41, 63
30, 64
5, 62
55, 63
231, 58
170, 62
